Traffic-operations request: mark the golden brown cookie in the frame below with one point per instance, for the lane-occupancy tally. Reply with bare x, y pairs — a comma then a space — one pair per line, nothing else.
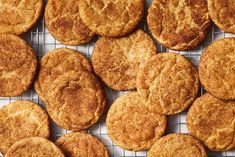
179, 24
131, 125
222, 13
168, 82
55, 64
34, 147
19, 16
112, 18
81, 144
64, 23
181, 145
18, 65
213, 122
22, 119
76, 100
217, 69
116, 60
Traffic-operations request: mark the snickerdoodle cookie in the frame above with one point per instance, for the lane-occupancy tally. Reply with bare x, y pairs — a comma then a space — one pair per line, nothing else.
19, 16
131, 125
64, 23
168, 82
76, 100
222, 13
179, 24
18, 65
117, 60
34, 147
181, 145
213, 122
81, 144
21, 119
111, 18
56, 63
217, 69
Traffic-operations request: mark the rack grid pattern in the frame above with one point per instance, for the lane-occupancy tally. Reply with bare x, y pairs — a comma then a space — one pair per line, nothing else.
42, 42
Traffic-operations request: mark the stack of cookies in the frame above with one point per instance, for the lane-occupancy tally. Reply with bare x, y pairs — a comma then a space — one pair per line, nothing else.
125, 58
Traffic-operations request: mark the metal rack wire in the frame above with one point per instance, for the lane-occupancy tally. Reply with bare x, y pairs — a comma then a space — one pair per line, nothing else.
42, 42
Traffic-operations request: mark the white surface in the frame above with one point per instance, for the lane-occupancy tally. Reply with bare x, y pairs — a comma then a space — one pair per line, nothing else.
42, 42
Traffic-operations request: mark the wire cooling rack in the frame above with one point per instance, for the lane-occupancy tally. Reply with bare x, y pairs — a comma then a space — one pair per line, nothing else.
42, 42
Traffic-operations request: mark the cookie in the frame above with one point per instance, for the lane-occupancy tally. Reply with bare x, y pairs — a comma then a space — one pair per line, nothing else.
222, 13
64, 23
131, 125
19, 16
168, 82
112, 18
117, 60
179, 24
81, 144
18, 65
34, 146
76, 100
182, 145
213, 122
217, 69
21, 119
56, 63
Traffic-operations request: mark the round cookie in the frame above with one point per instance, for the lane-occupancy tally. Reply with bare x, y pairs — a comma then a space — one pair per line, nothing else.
117, 60
112, 18
168, 82
76, 100
222, 12
19, 16
18, 65
173, 145
64, 23
81, 144
213, 122
21, 119
131, 125
217, 69
55, 64
34, 146
179, 24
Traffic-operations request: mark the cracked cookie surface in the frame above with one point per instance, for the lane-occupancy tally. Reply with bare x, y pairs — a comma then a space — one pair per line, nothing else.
222, 13
18, 65
55, 64
81, 144
18, 16
19, 120
213, 122
179, 24
111, 18
173, 145
36, 147
76, 100
217, 69
168, 82
131, 125
117, 60
64, 23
